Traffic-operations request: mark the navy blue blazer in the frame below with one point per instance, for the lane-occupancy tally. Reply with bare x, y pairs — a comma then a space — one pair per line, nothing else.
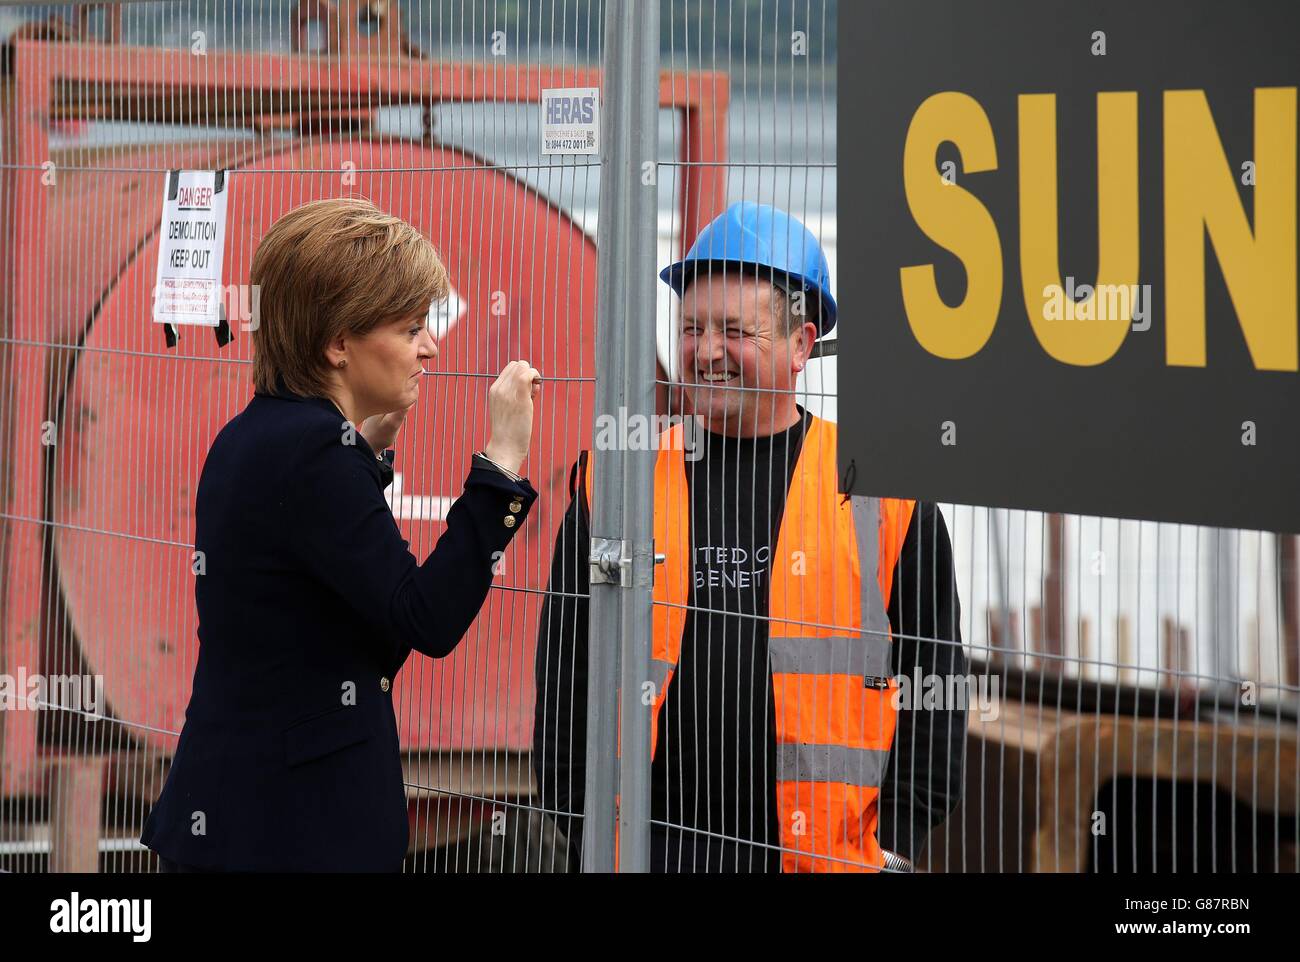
309, 602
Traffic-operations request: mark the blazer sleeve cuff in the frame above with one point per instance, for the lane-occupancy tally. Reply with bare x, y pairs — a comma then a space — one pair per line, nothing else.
513, 499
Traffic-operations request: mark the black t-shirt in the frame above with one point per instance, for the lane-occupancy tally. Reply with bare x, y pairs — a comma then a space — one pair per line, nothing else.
923, 780
714, 769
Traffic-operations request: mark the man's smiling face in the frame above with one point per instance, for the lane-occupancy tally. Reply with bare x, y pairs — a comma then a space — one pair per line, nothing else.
738, 364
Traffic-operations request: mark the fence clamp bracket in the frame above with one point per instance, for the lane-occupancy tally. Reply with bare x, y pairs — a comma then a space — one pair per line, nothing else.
617, 562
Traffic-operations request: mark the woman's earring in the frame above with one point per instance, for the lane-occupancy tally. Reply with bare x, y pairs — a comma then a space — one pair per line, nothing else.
343, 363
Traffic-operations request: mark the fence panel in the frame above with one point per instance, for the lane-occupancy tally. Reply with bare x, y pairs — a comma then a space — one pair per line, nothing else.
766, 674
432, 110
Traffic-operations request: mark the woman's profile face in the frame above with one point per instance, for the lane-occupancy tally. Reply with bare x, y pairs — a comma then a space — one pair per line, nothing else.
385, 365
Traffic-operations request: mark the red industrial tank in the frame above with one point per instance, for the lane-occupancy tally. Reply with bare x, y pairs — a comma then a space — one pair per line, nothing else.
137, 419
105, 426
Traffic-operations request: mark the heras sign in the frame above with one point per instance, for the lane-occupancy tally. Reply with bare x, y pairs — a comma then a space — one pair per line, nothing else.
1075, 250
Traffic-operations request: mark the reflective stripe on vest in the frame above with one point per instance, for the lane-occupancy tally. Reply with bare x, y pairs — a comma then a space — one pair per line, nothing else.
829, 646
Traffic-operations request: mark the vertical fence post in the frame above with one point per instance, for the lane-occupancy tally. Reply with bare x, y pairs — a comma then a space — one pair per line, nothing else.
622, 523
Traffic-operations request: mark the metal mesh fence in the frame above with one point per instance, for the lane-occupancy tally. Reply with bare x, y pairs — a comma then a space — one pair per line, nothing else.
823, 681
430, 110
1143, 714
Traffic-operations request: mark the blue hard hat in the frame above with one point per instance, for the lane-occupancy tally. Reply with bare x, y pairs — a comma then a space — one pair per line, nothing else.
761, 236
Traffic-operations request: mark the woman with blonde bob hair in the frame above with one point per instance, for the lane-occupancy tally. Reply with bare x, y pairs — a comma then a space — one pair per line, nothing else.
309, 601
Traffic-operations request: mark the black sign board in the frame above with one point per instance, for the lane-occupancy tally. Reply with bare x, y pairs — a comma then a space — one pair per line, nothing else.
1068, 257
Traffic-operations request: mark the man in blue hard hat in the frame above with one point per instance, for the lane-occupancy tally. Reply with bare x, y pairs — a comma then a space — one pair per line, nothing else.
766, 292
785, 612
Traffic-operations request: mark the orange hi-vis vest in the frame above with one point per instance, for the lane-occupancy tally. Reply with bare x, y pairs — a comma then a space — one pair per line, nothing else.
829, 646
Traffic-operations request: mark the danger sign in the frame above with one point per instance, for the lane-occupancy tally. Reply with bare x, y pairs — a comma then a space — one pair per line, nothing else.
191, 241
